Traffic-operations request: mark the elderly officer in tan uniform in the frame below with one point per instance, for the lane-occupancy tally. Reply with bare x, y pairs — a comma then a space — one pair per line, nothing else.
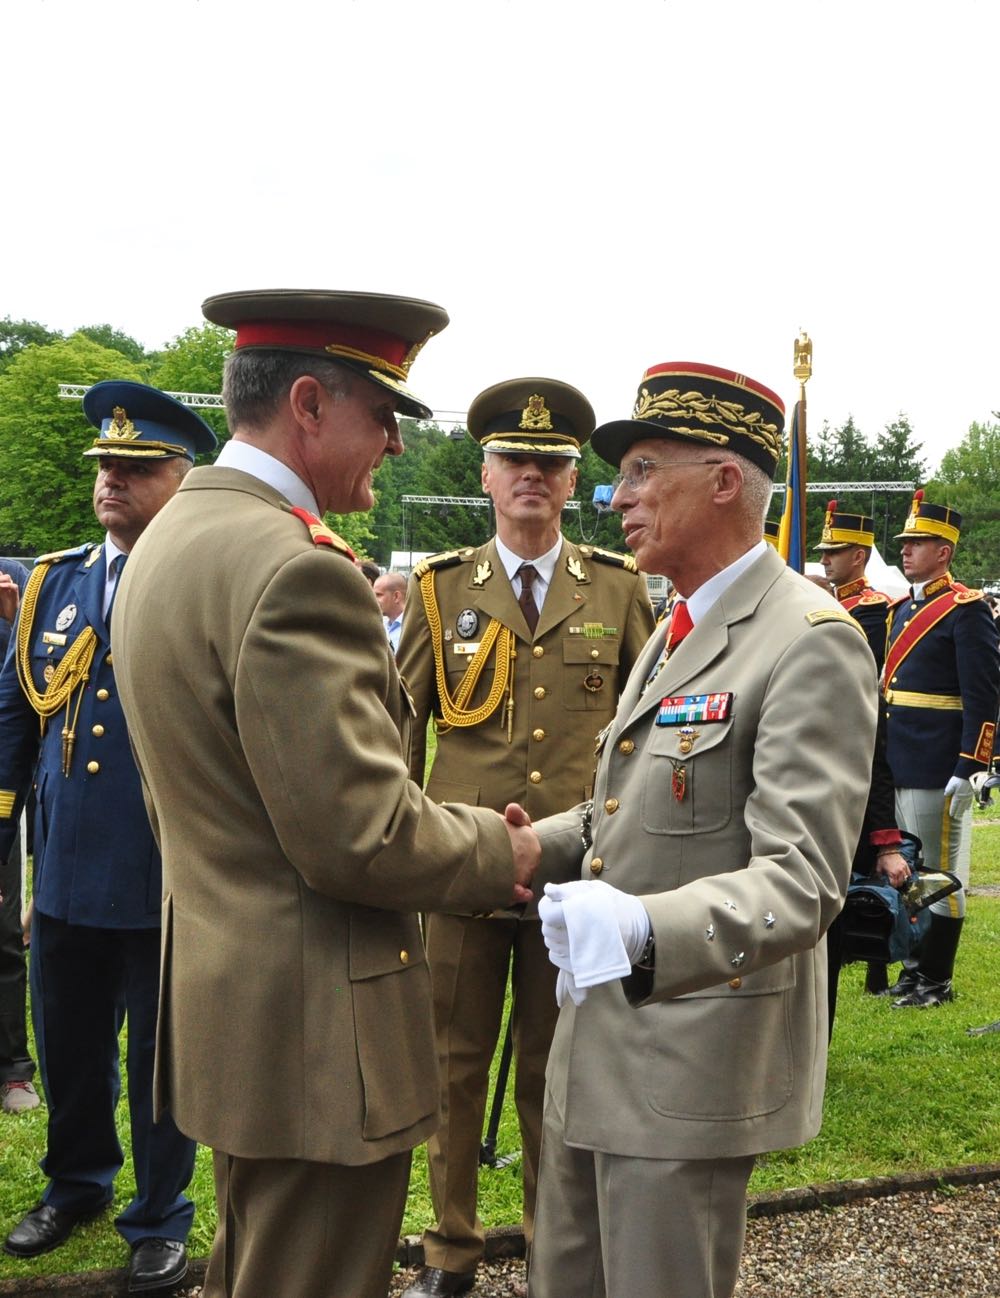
729, 795
519, 650
270, 730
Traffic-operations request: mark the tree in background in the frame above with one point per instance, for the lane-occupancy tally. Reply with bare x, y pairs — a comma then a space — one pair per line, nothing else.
15, 335
106, 335
193, 362
969, 480
47, 485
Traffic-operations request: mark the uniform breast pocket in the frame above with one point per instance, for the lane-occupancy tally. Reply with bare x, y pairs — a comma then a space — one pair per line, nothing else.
689, 785
590, 678
45, 661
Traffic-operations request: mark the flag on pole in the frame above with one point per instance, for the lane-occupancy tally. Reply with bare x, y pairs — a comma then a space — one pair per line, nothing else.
792, 529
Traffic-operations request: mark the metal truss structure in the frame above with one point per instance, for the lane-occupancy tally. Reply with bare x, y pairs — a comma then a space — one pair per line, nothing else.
199, 400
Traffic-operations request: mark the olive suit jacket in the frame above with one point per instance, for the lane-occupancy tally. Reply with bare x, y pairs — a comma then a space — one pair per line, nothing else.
266, 715
720, 1051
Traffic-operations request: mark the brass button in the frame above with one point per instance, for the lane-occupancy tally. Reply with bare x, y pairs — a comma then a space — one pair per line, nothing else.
537, 651
894, 680
595, 653
404, 957
97, 730
626, 746
93, 767
611, 806
49, 650
102, 694
597, 865
538, 734
539, 691
108, 660
736, 983
535, 777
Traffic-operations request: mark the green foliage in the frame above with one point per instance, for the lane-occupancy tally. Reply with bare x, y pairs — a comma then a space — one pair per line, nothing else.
48, 486
106, 335
15, 335
969, 480
194, 362
846, 454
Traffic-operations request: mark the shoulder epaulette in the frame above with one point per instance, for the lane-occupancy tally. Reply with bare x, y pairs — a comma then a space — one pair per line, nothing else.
77, 552
446, 559
323, 535
967, 596
874, 597
820, 615
625, 561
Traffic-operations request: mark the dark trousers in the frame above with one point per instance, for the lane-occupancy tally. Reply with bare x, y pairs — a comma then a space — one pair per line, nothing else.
16, 1065
85, 982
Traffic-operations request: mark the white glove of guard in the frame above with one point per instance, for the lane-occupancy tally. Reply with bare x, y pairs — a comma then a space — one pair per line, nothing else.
961, 793
594, 933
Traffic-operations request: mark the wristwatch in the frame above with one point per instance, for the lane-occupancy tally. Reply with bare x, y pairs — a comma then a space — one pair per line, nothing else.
647, 956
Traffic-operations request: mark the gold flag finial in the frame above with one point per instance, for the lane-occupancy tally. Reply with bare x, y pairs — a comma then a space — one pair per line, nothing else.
803, 357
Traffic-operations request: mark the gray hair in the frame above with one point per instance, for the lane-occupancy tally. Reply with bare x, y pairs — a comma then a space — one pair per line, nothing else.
255, 383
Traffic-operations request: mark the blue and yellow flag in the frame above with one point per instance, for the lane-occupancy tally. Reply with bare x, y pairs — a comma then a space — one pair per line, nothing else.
792, 531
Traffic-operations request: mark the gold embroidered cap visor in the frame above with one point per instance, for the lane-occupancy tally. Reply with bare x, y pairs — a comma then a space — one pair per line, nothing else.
842, 530
701, 405
375, 334
138, 422
532, 416
925, 520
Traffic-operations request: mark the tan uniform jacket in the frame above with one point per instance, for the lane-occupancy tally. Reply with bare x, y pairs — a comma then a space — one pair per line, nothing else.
266, 715
547, 762
722, 1052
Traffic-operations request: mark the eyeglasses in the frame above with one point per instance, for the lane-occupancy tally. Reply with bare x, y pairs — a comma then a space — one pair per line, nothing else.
639, 470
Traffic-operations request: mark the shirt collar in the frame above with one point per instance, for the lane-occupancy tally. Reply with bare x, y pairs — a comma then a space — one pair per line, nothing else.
713, 590
265, 468
544, 565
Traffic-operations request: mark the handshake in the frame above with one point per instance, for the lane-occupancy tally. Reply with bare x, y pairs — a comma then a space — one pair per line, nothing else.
527, 851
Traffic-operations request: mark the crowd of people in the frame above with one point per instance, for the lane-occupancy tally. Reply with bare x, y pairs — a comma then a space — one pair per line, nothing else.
224, 741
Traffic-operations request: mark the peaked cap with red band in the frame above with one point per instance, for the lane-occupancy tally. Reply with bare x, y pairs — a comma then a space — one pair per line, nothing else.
701, 405
374, 334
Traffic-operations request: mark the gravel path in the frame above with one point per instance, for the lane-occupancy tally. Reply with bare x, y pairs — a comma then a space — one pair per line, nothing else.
916, 1245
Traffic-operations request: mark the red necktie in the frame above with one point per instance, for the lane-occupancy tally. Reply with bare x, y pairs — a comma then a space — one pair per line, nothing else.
680, 625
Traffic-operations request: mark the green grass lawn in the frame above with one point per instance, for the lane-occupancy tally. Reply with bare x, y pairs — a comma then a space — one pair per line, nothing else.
906, 1091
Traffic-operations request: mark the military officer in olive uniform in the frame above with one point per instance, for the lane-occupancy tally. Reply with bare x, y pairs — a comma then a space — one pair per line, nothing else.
941, 681
519, 650
96, 930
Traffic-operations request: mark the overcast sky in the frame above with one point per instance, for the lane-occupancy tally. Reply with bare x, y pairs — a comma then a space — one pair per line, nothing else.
589, 189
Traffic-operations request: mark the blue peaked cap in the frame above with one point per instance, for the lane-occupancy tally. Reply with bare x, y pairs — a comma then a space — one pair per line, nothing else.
140, 422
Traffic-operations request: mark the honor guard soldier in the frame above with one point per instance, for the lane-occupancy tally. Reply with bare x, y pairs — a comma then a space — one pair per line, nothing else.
95, 952
941, 682
845, 547
518, 649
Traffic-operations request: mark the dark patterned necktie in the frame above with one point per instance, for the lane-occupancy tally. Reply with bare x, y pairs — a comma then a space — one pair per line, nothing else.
526, 599
117, 564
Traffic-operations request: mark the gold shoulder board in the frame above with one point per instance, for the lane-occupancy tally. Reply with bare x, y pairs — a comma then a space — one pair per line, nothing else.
75, 552
967, 596
446, 559
625, 561
874, 597
821, 615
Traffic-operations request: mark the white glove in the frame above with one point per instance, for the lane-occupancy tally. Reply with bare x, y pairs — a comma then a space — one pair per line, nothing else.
554, 931
961, 793
593, 931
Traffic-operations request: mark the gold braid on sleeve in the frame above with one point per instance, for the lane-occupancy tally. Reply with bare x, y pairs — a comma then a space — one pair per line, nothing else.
497, 636
72, 672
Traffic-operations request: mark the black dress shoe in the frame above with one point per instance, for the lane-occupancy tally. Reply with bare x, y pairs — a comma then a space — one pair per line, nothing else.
432, 1282
156, 1264
925, 996
43, 1229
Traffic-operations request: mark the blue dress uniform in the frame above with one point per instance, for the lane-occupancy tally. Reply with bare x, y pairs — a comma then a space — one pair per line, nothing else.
97, 878
941, 683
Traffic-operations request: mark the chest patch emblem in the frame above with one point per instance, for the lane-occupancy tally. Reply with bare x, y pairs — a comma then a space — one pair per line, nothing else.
66, 617
467, 623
